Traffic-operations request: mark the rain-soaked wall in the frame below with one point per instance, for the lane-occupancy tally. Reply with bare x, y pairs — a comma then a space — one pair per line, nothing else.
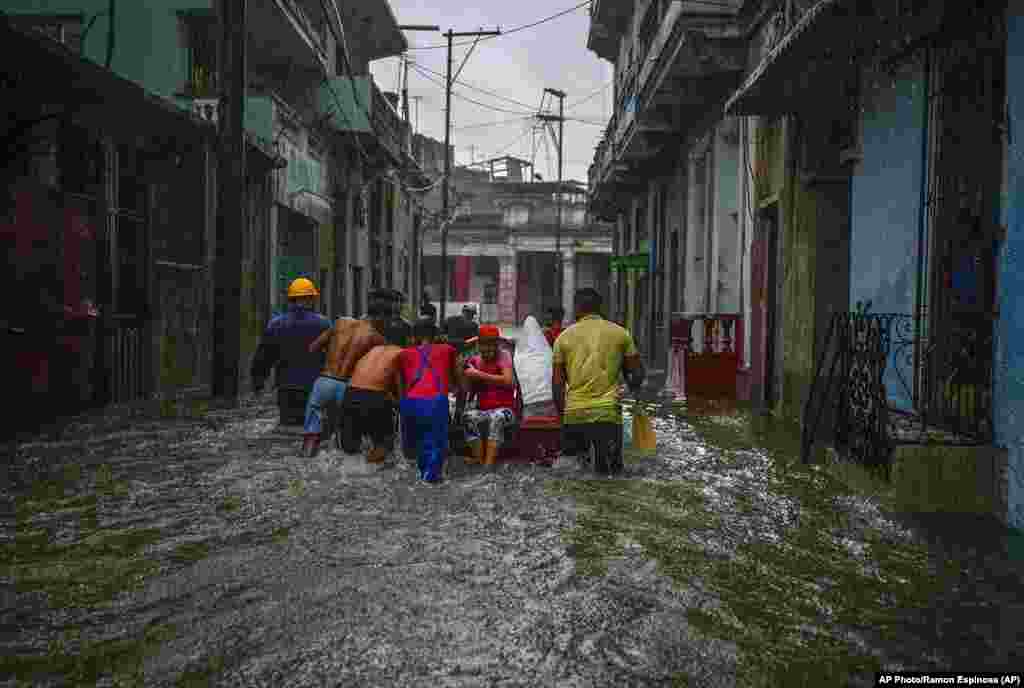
799, 274
1009, 354
886, 199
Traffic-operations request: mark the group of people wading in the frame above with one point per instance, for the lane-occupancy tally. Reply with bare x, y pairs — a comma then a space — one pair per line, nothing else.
373, 367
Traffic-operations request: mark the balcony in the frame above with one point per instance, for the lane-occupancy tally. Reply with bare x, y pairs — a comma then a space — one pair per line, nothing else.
372, 31
687, 63
609, 20
281, 32
357, 105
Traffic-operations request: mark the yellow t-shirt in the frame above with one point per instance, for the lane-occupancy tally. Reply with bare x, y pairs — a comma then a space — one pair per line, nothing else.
592, 351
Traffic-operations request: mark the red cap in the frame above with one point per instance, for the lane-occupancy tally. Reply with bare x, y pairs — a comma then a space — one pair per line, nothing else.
489, 332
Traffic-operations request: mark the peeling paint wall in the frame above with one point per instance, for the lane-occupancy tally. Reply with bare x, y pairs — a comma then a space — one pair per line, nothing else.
799, 273
1009, 353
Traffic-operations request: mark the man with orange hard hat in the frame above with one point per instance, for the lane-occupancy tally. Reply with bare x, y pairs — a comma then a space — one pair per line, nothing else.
285, 342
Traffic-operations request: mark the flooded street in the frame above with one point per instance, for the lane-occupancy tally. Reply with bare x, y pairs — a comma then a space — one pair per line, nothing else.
203, 551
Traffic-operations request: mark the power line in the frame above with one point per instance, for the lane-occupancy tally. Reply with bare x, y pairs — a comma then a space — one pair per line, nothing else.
466, 98
500, 122
587, 121
462, 97
505, 149
475, 88
590, 96
505, 33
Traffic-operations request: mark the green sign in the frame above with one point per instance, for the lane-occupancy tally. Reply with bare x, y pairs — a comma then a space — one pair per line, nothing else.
636, 261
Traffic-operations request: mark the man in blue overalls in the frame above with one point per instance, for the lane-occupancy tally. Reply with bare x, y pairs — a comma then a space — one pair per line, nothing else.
427, 372
285, 343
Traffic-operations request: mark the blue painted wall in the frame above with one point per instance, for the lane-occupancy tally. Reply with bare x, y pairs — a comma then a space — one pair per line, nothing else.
1009, 354
885, 203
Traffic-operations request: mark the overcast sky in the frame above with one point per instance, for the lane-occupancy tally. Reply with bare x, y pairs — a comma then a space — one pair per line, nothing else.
516, 67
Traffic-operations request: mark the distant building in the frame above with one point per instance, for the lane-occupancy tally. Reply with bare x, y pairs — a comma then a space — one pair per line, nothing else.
502, 243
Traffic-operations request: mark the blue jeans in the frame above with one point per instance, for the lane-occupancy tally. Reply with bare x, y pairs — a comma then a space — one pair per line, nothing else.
426, 423
325, 391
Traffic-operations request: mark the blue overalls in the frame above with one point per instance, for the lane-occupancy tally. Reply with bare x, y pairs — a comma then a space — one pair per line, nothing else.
425, 423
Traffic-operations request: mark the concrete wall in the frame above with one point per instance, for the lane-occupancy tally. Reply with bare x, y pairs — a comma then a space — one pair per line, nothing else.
886, 201
1009, 354
799, 273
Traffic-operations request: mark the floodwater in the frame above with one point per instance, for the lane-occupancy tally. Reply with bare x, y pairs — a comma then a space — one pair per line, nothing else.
204, 551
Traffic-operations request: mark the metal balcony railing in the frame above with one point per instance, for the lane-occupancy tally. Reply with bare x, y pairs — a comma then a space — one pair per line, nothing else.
880, 381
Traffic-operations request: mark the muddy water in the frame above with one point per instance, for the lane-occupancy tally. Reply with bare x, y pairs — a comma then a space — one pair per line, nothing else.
204, 551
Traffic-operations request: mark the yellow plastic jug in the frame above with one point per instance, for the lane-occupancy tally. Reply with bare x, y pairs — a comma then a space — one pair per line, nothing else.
644, 438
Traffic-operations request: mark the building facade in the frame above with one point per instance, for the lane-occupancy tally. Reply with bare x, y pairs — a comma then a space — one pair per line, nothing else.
331, 170
847, 197
503, 245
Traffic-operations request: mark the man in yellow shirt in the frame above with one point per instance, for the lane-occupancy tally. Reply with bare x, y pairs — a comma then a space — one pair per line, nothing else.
589, 357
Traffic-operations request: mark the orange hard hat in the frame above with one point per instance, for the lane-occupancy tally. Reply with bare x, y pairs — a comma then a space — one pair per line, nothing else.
302, 287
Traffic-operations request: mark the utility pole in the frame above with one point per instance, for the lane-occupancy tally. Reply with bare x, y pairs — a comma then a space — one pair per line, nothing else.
445, 219
232, 215
417, 280
560, 118
405, 89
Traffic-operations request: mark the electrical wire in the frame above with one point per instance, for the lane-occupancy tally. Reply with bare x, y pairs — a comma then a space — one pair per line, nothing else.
587, 121
590, 96
475, 88
465, 59
478, 125
519, 138
466, 98
510, 31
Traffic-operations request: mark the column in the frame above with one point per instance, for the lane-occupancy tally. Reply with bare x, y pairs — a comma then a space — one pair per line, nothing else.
569, 283
463, 274
694, 233
507, 287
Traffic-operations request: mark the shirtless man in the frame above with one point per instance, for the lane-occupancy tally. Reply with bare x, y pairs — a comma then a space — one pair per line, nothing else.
374, 390
346, 343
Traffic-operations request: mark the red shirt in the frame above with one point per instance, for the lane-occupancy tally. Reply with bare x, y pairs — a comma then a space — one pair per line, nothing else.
490, 396
442, 359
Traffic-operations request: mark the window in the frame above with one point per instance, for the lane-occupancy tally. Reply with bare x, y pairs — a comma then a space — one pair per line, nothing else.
63, 28
201, 45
